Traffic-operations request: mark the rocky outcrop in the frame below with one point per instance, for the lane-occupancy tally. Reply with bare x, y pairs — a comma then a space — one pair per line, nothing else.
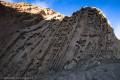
35, 41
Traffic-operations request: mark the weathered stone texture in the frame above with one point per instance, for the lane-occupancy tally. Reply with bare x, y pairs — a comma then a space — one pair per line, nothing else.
43, 41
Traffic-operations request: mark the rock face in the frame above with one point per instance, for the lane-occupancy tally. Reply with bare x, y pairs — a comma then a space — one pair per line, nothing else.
35, 41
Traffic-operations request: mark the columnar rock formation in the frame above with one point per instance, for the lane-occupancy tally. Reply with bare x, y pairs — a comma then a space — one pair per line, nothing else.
34, 40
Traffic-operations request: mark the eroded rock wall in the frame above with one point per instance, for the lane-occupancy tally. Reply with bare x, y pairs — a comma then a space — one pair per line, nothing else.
54, 42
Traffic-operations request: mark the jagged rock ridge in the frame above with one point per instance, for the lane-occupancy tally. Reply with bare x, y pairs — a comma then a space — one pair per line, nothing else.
42, 40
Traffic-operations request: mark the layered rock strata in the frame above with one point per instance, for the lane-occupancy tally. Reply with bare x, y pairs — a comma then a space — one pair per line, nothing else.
34, 40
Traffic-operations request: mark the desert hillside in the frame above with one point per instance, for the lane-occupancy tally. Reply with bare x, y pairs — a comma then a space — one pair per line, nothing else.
41, 44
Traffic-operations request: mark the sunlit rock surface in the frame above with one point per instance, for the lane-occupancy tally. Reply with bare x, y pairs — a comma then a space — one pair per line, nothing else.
40, 43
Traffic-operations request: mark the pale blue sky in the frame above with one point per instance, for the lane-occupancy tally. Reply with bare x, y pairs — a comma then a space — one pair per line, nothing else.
111, 8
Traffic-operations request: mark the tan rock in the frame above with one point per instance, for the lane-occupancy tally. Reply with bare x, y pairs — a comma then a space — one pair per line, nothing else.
44, 41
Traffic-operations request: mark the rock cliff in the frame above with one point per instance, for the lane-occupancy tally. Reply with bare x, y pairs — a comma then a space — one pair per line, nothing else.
37, 41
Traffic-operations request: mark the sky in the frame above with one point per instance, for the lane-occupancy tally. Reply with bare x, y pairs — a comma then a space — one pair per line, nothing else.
111, 8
